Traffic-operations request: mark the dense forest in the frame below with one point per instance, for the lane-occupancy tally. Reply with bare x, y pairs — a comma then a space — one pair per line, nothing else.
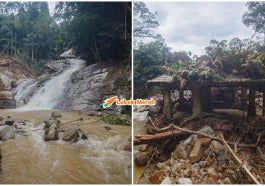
239, 57
98, 32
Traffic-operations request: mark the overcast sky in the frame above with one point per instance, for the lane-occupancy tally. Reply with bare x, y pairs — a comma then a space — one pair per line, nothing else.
191, 25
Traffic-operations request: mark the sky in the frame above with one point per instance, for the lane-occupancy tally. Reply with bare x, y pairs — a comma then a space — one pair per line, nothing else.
51, 5
190, 26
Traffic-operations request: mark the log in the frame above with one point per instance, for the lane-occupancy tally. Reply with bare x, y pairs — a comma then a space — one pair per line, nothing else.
145, 139
178, 131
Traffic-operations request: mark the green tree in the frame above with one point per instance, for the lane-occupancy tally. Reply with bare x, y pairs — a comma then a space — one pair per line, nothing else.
144, 21
99, 31
255, 16
148, 59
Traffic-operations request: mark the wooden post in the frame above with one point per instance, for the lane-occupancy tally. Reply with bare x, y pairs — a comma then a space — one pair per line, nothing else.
205, 96
252, 104
167, 102
243, 100
196, 108
181, 96
200, 98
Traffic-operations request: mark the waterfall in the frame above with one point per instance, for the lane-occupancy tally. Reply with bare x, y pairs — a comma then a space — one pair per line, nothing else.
51, 93
24, 89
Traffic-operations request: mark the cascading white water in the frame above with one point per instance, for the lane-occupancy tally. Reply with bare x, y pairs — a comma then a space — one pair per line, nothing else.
24, 89
48, 96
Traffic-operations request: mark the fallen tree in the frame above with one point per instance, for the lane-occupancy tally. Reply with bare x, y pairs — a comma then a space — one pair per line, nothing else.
175, 131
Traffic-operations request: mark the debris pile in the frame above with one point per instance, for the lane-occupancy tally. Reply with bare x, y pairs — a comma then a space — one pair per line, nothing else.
200, 155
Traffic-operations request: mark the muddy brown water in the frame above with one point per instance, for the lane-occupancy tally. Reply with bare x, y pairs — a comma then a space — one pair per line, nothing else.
140, 119
100, 159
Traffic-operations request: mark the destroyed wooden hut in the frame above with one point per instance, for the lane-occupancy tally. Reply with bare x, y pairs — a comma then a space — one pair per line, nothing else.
202, 94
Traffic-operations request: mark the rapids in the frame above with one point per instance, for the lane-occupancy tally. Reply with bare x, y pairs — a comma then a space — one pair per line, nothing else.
28, 159
100, 159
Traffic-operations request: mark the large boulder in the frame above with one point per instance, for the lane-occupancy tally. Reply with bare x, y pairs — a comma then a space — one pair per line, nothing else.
7, 100
6, 95
52, 121
141, 158
7, 132
9, 121
52, 133
70, 135
7, 104
56, 114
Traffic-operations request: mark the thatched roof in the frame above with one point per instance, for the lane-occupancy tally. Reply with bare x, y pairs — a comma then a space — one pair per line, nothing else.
162, 79
247, 82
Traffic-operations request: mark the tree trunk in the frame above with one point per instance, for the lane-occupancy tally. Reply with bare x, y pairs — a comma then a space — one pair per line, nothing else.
145, 139
252, 104
167, 102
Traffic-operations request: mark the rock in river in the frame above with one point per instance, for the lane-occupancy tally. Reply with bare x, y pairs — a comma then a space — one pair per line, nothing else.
9, 121
56, 114
70, 135
52, 133
7, 132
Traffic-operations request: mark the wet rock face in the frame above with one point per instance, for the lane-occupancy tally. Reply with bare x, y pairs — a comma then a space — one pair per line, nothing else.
91, 85
7, 100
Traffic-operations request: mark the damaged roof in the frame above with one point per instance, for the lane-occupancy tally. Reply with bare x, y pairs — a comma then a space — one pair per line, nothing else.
162, 79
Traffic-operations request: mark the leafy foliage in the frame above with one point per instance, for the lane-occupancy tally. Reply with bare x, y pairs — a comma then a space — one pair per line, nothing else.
148, 59
27, 31
144, 21
255, 16
99, 31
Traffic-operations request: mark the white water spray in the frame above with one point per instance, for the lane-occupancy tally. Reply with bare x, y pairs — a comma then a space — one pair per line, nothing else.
50, 95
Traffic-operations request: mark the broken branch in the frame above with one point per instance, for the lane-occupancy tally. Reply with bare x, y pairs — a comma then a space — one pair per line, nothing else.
178, 131
243, 165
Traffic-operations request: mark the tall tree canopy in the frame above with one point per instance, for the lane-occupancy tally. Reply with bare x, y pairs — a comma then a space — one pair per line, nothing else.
27, 31
99, 31
144, 21
255, 16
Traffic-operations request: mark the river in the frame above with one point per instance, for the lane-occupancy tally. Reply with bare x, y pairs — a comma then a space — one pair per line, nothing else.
28, 159
100, 159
